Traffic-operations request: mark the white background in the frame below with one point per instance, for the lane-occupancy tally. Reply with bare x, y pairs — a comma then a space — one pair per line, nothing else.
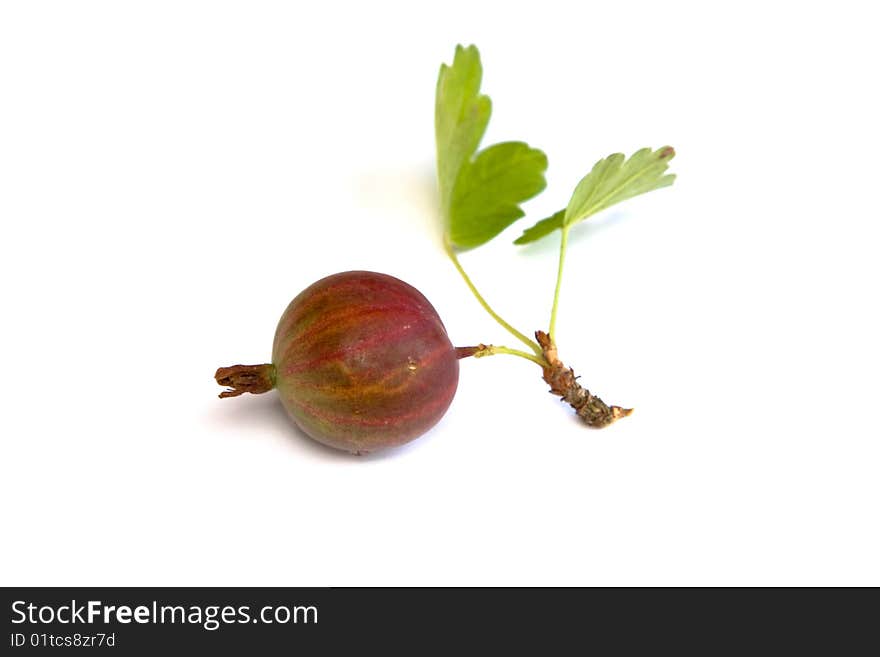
173, 173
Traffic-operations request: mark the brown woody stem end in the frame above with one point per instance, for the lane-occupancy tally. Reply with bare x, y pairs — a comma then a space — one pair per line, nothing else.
562, 381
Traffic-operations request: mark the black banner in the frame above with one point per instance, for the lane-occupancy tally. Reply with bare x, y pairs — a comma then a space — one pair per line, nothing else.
269, 620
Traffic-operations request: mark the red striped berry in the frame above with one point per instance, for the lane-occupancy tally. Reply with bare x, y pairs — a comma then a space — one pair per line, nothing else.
361, 361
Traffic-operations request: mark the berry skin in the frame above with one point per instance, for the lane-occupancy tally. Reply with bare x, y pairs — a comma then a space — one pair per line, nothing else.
363, 362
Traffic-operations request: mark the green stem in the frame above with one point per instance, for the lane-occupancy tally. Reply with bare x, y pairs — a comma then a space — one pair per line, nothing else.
563, 245
517, 334
491, 350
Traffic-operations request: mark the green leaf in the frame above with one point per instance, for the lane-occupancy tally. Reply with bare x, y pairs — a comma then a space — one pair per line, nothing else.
489, 190
480, 194
542, 228
461, 115
612, 180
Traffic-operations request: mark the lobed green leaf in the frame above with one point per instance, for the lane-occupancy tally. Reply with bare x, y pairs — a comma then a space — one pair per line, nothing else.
480, 194
612, 180
542, 228
489, 190
461, 115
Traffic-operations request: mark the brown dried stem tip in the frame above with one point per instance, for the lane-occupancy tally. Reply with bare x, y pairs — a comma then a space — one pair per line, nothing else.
562, 381
246, 378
